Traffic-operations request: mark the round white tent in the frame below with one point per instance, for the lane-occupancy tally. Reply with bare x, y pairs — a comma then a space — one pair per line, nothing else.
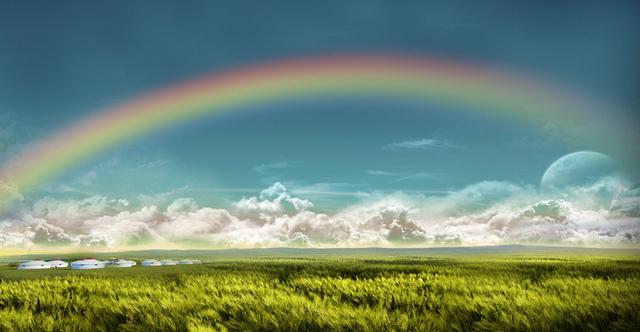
151, 262
34, 265
169, 262
87, 264
197, 261
56, 264
121, 263
185, 261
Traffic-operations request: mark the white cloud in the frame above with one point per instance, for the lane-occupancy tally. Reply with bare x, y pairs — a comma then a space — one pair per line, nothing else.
181, 206
423, 144
44, 233
482, 213
14, 239
273, 201
393, 224
194, 223
70, 212
126, 227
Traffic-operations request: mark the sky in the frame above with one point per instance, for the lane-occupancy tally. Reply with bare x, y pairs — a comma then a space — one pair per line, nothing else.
326, 170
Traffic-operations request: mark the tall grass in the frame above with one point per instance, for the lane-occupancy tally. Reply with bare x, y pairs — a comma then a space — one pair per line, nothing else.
407, 294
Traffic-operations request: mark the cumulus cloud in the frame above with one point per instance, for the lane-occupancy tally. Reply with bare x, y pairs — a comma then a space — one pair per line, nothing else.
33, 230
71, 212
393, 224
195, 222
127, 227
272, 202
482, 213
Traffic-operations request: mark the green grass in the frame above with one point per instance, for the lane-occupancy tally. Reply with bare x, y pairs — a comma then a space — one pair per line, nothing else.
443, 293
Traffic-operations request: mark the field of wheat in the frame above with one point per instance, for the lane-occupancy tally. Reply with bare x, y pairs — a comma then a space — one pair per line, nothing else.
335, 293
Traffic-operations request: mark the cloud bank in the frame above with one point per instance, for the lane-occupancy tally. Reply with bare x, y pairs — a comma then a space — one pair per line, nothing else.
484, 213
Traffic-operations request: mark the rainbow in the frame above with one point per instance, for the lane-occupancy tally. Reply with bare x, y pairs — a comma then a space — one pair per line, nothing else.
399, 77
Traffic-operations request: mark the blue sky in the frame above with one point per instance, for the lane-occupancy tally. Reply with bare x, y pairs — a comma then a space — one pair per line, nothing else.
63, 61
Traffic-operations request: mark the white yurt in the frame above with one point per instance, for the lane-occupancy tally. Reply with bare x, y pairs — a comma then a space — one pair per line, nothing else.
87, 264
197, 261
151, 262
57, 264
185, 261
123, 263
169, 262
34, 265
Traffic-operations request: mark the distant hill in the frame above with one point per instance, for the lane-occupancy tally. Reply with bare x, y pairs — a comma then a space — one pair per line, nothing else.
209, 255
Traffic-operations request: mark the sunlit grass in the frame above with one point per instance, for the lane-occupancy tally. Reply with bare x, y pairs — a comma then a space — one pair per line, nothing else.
339, 293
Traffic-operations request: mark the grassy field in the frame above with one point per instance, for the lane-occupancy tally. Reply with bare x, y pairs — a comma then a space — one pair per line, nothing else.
378, 292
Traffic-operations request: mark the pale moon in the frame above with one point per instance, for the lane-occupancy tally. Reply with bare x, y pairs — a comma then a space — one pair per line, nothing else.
577, 168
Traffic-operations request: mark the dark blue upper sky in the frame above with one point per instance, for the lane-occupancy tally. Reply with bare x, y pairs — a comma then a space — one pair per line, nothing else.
61, 61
